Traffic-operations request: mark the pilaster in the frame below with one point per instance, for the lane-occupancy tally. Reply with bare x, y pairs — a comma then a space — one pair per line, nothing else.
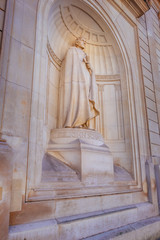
5, 187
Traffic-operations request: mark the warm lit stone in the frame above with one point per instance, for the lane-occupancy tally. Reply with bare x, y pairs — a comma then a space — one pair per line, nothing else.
80, 109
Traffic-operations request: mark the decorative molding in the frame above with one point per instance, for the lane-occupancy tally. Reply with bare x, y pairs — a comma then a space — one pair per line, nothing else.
78, 29
52, 54
156, 5
137, 7
104, 78
75, 133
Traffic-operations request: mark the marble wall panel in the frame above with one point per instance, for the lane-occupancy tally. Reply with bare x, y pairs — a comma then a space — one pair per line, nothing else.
29, 24
155, 138
152, 115
149, 84
24, 23
153, 126
149, 93
18, 20
148, 63
21, 57
16, 119
18, 43
153, 29
155, 148
151, 104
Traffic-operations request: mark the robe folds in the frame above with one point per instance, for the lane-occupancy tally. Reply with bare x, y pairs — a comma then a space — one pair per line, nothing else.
77, 91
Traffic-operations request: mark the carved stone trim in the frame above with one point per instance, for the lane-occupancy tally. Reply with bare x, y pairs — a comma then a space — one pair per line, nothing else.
77, 29
137, 7
54, 57
101, 78
75, 133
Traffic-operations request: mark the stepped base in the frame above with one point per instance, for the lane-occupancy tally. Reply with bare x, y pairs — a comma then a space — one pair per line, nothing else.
117, 224
85, 152
56, 171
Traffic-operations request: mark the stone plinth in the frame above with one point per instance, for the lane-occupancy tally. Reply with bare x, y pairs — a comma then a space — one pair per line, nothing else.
85, 152
5, 188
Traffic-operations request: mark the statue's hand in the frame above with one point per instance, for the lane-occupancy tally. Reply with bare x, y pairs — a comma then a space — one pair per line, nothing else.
88, 65
90, 70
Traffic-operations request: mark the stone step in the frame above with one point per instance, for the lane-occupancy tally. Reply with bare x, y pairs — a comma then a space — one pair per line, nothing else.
148, 229
54, 170
74, 227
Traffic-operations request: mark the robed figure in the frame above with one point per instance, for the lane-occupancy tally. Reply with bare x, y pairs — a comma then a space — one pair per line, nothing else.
77, 89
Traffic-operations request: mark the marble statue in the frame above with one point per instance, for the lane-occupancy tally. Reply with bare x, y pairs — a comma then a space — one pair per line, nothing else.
77, 89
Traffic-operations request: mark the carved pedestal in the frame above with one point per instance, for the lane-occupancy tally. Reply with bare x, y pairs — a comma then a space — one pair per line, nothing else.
85, 152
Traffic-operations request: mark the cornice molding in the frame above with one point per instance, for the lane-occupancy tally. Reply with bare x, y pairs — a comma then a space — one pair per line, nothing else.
137, 7
156, 5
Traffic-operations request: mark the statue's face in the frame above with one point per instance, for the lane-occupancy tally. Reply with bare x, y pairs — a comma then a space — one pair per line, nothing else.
81, 43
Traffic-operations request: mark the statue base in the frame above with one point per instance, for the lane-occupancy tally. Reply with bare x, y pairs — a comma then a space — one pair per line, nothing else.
85, 152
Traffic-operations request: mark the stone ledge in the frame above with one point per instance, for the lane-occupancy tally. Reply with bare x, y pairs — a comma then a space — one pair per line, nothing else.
96, 225
146, 228
64, 228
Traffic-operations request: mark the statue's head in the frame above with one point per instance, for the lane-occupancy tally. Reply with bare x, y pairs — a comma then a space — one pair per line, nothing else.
80, 42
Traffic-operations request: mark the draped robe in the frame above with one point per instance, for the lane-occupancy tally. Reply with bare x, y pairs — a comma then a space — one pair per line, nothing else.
77, 91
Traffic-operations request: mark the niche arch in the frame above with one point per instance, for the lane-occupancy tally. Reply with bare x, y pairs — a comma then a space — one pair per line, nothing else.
44, 104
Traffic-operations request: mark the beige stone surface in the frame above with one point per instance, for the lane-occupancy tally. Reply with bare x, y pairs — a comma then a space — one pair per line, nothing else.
24, 23
77, 80
2, 4
17, 53
1, 19
5, 188
124, 54
39, 230
85, 152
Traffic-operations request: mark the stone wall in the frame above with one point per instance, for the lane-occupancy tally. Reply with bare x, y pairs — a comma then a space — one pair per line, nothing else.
149, 62
36, 37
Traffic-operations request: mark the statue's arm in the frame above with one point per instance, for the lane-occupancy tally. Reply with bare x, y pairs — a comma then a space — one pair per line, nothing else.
88, 65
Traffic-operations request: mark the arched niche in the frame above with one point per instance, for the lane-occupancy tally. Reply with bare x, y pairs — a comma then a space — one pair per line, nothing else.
68, 20
58, 25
